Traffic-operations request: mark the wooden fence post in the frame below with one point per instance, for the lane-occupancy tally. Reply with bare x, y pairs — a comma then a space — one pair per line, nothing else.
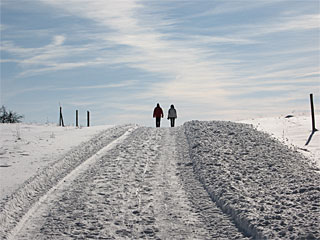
61, 118
77, 118
88, 118
312, 114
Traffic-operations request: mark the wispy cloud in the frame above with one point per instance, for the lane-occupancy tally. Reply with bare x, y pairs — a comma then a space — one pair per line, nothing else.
229, 7
56, 56
101, 86
149, 50
52, 88
193, 67
283, 24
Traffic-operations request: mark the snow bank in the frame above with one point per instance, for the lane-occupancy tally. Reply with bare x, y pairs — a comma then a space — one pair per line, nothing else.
17, 204
294, 131
267, 188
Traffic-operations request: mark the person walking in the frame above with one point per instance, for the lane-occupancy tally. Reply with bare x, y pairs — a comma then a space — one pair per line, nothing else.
172, 115
158, 114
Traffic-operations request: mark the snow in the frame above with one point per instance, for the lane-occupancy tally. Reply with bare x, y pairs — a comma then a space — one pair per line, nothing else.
67, 179
294, 132
26, 149
132, 191
202, 180
28, 194
267, 188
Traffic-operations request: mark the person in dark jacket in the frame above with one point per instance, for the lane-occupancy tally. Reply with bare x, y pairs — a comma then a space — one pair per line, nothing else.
158, 114
172, 115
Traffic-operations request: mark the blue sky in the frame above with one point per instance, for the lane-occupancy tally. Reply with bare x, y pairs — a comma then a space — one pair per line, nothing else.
214, 60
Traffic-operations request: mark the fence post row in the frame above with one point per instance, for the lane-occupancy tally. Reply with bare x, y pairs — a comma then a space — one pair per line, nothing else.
61, 123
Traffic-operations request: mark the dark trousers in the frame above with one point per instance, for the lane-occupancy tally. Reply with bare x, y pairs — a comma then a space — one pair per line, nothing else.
172, 121
158, 122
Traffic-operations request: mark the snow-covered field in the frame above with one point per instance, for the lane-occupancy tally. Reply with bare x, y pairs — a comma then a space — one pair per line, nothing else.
26, 149
202, 180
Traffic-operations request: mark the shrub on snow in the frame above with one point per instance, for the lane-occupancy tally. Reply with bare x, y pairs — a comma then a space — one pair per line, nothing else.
9, 117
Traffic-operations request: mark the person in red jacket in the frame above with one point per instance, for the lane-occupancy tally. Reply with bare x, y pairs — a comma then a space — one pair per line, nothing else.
158, 114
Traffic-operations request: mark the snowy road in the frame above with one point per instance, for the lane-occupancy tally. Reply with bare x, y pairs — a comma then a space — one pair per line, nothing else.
171, 183
143, 187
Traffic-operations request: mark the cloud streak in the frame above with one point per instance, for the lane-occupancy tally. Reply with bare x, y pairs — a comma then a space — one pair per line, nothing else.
203, 67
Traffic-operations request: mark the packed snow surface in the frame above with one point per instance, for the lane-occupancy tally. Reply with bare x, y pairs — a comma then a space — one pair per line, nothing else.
295, 131
203, 180
269, 189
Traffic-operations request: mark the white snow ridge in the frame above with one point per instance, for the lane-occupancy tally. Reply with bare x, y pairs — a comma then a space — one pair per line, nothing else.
203, 180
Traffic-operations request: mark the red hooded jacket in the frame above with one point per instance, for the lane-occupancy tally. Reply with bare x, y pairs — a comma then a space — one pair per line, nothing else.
157, 112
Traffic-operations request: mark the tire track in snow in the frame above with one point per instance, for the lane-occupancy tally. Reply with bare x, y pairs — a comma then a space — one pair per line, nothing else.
183, 208
218, 224
103, 201
26, 199
143, 187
